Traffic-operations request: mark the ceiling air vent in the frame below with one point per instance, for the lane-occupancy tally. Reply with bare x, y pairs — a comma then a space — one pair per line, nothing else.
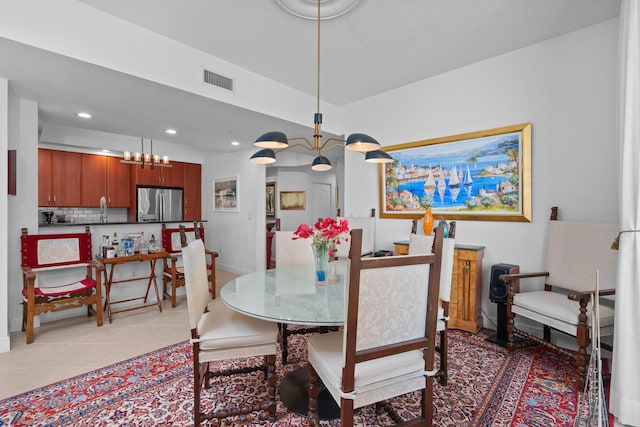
217, 80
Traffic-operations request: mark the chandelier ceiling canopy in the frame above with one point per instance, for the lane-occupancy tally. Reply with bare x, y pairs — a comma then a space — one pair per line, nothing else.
274, 142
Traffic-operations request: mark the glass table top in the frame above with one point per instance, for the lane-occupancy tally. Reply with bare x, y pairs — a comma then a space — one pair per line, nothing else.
290, 295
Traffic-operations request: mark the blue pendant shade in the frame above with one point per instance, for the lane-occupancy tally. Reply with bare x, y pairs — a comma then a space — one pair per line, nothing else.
377, 156
263, 157
361, 142
321, 164
274, 139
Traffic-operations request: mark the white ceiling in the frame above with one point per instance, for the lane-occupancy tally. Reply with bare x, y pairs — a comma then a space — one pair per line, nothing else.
377, 46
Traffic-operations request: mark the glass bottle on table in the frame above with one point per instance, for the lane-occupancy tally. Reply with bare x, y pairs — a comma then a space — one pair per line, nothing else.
115, 244
143, 248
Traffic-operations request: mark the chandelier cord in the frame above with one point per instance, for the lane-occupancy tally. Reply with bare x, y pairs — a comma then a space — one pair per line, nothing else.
318, 81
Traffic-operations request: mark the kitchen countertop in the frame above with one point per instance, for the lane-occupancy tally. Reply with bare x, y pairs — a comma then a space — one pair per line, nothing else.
69, 224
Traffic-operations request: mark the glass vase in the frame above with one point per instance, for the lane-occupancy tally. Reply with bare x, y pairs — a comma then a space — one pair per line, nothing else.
321, 258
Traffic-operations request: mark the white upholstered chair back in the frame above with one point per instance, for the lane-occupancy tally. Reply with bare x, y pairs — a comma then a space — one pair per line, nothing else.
196, 281
419, 244
572, 258
291, 253
391, 306
368, 226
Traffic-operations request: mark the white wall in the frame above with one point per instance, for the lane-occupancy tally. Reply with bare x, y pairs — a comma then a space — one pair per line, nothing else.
4, 146
566, 87
239, 237
23, 207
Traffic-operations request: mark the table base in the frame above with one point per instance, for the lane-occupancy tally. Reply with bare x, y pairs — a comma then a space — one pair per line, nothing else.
293, 394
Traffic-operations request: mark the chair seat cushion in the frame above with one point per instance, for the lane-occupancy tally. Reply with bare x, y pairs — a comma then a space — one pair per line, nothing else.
221, 328
55, 291
555, 309
325, 354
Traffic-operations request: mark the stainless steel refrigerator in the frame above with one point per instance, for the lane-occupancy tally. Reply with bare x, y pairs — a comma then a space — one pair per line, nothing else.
159, 204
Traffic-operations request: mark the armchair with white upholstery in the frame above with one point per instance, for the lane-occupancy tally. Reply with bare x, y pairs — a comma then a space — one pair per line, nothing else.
218, 333
574, 252
387, 347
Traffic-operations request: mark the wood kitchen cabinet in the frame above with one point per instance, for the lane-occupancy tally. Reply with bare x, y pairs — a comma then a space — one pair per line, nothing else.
160, 176
105, 176
466, 288
118, 183
192, 192
59, 173
93, 183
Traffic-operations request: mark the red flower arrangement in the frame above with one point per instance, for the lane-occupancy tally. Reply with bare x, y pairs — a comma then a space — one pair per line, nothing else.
327, 233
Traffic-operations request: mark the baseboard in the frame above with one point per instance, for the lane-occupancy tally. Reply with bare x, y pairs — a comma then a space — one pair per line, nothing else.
5, 344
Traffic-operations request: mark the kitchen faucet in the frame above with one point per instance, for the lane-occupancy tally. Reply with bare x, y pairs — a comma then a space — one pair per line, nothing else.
103, 207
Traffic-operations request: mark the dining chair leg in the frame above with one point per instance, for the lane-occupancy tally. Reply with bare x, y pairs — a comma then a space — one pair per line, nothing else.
271, 386
346, 412
313, 390
443, 357
427, 402
282, 327
196, 392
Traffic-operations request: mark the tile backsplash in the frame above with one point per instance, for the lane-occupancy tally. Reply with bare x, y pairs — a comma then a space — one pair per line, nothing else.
84, 215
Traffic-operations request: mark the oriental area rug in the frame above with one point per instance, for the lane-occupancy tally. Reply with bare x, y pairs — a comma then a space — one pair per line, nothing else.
487, 387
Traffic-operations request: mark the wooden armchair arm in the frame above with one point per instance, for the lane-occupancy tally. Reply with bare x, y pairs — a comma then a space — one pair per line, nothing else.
98, 265
577, 296
513, 277
212, 253
28, 275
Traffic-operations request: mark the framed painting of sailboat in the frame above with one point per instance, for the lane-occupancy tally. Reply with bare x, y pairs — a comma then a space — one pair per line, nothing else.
484, 175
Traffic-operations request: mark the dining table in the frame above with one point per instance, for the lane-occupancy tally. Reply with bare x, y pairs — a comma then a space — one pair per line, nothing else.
292, 295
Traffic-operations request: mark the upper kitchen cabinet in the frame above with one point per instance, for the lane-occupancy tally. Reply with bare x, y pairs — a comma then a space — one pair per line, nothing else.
160, 176
93, 184
118, 182
59, 173
192, 192
105, 176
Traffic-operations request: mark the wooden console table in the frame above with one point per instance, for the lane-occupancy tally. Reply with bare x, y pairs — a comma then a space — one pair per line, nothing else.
110, 264
466, 286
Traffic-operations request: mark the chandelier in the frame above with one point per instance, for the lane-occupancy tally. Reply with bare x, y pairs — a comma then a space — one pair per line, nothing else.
275, 141
141, 158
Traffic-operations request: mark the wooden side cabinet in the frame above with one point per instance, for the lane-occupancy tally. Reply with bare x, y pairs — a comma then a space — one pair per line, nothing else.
466, 288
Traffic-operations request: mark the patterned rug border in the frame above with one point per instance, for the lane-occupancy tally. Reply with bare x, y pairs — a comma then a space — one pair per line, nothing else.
487, 387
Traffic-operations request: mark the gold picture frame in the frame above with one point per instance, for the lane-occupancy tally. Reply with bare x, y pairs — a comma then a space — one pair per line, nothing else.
293, 200
481, 176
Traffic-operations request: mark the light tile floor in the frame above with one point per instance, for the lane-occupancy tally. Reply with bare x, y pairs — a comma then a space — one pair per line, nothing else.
69, 347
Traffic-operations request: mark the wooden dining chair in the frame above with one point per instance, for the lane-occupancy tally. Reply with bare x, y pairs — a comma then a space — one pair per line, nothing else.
42, 253
420, 244
292, 253
368, 226
387, 347
173, 273
219, 333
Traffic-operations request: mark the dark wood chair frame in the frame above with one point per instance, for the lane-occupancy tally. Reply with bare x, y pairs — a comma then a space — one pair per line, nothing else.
202, 375
170, 273
581, 356
426, 343
36, 304
442, 346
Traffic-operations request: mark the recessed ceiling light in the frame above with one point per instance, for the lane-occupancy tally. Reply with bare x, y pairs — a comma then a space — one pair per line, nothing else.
84, 115
171, 131
235, 143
